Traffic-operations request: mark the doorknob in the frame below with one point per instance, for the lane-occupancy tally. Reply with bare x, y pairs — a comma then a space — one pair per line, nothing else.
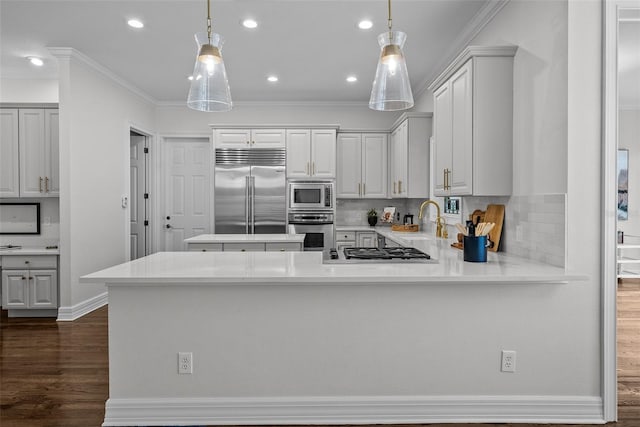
168, 217
168, 225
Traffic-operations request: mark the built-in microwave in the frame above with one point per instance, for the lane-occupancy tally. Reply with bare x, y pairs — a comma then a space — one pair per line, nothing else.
311, 195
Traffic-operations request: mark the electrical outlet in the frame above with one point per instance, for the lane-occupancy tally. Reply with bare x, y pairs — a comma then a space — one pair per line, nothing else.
508, 361
519, 237
185, 363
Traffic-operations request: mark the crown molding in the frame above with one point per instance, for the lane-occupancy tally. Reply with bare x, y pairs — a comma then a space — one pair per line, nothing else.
71, 53
477, 24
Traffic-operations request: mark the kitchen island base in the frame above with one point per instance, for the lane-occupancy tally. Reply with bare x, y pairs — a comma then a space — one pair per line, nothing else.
280, 351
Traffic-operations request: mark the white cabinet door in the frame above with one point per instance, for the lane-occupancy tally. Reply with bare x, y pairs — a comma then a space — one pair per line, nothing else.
323, 153
461, 136
15, 292
244, 247
374, 166
366, 239
52, 152
442, 127
348, 173
43, 289
9, 157
398, 151
298, 153
232, 138
32, 152
345, 244
267, 138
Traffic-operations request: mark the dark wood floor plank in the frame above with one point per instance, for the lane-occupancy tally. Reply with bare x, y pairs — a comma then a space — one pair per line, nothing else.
55, 374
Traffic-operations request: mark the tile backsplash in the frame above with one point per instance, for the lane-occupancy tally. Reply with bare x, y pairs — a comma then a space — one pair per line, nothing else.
49, 225
534, 226
354, 211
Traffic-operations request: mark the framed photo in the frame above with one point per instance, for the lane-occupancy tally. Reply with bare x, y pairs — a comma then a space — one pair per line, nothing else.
19, 218
623, 184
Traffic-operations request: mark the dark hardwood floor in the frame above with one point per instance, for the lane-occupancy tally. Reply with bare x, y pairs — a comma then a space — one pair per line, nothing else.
55, 374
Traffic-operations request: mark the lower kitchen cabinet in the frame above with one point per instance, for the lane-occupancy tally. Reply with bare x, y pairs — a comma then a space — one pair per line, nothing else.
360, 239
29, 282
367, 239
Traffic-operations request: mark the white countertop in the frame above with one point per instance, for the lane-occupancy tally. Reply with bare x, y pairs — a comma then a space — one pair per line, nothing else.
244, 238
284, 268
25, 250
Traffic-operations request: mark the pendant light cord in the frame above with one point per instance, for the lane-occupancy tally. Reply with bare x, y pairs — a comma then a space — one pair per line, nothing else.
389, 20
209, 20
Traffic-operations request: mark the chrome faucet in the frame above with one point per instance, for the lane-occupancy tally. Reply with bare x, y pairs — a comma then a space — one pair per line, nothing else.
439, 219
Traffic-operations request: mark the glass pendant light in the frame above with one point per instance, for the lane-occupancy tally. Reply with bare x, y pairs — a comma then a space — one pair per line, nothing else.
209, 85
391, 87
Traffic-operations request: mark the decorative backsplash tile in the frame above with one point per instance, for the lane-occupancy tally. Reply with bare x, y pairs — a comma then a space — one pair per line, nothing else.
354, 211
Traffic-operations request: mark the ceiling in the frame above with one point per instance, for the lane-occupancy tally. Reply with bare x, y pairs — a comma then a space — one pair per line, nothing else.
311, 45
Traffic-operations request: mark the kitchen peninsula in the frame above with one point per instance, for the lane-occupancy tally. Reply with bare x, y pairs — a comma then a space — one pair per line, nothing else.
281, 338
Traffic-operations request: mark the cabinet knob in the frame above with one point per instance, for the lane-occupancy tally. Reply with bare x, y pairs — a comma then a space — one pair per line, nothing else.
23, 278
204, 250
243, 250
26, 262
281, 250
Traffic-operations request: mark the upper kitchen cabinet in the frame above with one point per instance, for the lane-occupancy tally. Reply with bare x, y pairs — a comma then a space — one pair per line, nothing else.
473, 123
9, 157
249, 138
409, 156
29, 153
311, 153
362, 166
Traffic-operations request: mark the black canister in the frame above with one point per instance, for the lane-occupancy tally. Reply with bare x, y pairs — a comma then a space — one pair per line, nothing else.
475, 248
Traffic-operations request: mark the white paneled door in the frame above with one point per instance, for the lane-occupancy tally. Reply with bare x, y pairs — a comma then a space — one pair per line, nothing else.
187, 190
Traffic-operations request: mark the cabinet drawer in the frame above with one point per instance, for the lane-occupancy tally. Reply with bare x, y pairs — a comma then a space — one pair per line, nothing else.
205, 247
283, 246
342, 236
32, 261
244, 247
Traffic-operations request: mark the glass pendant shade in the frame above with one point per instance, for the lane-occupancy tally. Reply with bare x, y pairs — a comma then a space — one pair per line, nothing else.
209, 85
391, 87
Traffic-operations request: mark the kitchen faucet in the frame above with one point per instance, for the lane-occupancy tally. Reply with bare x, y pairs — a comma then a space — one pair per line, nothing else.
439, 219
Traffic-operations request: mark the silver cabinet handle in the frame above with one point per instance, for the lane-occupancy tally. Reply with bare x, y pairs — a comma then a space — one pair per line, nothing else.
308, 173
394, 187
40, 186
359, 192
314, 168
46, 184
399, 187
364, 188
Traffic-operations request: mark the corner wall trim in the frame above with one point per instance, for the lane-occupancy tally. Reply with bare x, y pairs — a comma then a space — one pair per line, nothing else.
354, 410
67, 314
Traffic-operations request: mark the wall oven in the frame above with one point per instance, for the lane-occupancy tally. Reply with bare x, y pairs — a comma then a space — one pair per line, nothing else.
318, 227
311, 195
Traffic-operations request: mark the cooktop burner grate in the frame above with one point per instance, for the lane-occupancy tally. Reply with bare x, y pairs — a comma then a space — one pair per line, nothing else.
384, 253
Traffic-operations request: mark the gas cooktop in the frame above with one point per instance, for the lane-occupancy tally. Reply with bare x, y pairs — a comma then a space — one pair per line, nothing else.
371, 255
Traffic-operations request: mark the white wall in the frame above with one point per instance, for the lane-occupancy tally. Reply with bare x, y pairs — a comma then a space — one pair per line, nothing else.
95, 116
29, 90
556, 150
182, 120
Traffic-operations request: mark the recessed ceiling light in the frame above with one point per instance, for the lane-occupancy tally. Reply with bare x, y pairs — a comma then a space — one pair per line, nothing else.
35, 61
134, 23
365, 24
272, 79
352, 79
250, 23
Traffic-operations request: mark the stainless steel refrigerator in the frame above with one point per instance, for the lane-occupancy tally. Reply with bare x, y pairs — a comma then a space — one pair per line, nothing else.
249, 192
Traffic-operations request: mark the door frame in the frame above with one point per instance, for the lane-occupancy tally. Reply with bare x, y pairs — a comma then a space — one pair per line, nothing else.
158, 174
151, 182
610, 13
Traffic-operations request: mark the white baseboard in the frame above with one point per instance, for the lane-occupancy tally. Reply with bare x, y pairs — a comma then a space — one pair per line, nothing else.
74, 312
354, 410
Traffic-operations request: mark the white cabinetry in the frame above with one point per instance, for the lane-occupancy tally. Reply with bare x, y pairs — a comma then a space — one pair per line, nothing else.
366, 239
409, 156
29, 282
311, 153
249, 138
29, 153
473, 124
9, 153
362, 165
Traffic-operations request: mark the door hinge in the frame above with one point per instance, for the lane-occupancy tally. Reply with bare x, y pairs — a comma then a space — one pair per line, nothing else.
146, 222
146, 195
146, 150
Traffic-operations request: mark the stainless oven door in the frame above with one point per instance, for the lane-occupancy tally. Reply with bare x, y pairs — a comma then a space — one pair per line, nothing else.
318, 227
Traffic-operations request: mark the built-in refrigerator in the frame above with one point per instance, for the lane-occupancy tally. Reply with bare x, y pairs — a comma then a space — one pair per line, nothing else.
249, 191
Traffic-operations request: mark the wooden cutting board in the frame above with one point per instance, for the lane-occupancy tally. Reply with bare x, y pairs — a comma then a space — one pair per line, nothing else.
495, 213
